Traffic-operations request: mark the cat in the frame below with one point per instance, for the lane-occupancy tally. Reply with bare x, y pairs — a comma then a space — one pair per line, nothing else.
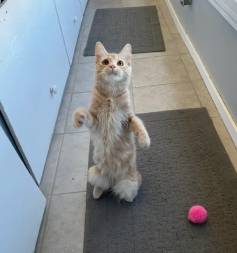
113, 126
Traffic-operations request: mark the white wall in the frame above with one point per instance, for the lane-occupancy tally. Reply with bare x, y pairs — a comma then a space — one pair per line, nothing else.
215, 40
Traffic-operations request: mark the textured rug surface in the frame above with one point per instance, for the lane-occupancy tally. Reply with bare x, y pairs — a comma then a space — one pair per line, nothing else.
186, 164
115, 27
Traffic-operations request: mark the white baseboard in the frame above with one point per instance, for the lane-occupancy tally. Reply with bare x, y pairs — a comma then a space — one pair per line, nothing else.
221, 107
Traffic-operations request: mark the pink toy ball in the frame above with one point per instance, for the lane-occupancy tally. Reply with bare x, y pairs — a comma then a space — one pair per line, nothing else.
197, 214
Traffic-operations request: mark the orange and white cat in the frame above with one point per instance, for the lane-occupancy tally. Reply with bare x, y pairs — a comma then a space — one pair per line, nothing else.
113, 126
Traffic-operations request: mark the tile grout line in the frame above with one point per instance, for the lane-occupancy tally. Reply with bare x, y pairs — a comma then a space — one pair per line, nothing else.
138, 56
161, 11
163, 84
76, 132
191, 81
49, 199
81, 92
133, 100
51, 195
180, 57
80, 61
168, 18
67, 114
156, 54
68, 193
223, 125
209, 98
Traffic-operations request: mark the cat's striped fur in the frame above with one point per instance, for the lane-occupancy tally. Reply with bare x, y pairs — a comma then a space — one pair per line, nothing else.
113, 126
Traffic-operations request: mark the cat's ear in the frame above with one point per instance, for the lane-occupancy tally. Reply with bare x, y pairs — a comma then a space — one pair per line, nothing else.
100, 50
127, 52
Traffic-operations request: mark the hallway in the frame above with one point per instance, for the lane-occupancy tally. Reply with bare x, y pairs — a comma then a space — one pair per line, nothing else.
161, 81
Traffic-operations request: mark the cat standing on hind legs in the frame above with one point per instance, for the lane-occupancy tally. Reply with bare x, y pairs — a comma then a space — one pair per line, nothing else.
113, 126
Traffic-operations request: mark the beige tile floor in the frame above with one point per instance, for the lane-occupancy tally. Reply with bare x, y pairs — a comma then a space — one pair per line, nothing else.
161, 81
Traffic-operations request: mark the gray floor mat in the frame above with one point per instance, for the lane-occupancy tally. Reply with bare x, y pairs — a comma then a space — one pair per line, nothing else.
115, 27
186, 164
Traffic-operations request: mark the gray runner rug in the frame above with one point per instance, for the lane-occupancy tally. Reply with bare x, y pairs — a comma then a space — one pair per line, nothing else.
116, 27
186, 164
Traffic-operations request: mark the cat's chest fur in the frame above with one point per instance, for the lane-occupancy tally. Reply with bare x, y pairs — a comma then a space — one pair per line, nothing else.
111, 117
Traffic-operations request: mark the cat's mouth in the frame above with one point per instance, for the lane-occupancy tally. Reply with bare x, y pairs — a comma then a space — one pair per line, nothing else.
113, 72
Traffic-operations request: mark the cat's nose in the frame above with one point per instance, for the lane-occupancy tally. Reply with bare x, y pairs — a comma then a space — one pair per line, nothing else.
112, 66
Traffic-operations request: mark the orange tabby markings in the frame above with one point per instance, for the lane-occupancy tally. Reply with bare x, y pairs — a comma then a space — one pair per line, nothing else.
113, 126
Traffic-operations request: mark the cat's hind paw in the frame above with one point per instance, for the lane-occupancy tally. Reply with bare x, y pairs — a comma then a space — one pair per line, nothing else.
97, 192
126, 189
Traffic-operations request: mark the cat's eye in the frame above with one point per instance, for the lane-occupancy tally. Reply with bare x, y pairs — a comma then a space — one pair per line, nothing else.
120, 63
105, 62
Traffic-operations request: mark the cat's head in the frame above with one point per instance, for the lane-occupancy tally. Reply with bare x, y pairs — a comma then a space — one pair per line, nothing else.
111, 67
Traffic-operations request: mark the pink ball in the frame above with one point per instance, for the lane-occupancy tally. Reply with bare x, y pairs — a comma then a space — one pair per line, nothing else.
197, 214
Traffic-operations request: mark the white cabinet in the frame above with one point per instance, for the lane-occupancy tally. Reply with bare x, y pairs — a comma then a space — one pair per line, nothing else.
36, 38
22, 204
33, 59
83, 4
70, 15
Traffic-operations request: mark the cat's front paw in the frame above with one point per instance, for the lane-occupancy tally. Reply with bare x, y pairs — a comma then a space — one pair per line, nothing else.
79, 117
144, 140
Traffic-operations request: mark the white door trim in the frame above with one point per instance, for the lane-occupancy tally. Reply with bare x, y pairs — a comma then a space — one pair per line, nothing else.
228, 9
